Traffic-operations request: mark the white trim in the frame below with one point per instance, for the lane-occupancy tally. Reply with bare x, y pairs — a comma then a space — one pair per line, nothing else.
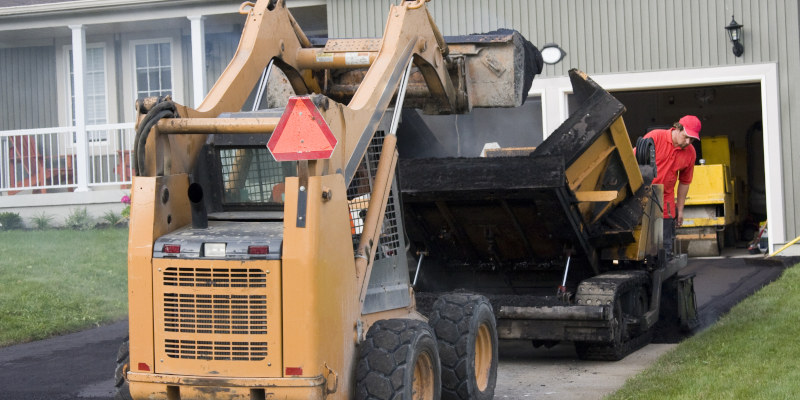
542, 99
37, 131
95, 5
557, 89
95, 12
50, 200
79, 73
198, 59
68, 92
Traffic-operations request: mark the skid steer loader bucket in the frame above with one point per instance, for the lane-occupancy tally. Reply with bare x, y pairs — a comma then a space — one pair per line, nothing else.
579, 194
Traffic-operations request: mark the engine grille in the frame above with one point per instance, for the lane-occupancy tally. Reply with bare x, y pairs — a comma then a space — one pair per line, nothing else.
214, 350
215, 313
215, 277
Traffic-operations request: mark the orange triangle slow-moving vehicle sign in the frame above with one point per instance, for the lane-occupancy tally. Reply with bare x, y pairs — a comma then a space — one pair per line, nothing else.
302, 133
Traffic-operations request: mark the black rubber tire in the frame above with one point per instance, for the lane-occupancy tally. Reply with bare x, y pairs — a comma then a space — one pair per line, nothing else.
393, 349
121, 389
457, 319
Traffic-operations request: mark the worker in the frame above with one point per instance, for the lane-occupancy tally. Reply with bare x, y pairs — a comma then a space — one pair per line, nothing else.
675, 161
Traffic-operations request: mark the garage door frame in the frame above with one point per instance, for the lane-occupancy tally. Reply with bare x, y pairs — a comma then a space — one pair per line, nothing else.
554, 92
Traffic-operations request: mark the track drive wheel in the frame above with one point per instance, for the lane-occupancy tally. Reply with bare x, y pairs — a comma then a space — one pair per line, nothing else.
398, 360
629, 305
613, 351
121, 389
466, 331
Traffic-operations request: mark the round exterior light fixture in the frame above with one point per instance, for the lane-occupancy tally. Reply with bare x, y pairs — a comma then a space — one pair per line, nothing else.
552, 53
735, 35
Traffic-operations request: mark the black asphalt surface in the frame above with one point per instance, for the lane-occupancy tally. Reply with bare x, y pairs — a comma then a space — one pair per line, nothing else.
81, 365
75, 366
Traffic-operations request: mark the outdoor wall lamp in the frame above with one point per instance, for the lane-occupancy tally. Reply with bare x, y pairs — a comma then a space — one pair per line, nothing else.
735, 35
552, 53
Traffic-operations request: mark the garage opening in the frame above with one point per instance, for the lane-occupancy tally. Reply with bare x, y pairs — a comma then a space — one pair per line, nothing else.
727, 200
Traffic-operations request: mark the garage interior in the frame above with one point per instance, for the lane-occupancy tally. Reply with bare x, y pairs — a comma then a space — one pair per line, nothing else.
731, 112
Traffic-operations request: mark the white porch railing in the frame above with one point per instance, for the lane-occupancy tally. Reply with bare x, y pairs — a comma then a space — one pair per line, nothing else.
47, 158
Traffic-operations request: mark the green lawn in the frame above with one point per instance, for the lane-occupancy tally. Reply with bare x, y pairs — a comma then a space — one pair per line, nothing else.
58, 281
751, 353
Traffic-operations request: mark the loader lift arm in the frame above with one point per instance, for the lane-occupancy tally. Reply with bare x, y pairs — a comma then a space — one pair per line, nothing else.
271, 33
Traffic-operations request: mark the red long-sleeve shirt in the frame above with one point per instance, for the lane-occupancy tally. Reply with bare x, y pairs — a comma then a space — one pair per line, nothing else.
672, 163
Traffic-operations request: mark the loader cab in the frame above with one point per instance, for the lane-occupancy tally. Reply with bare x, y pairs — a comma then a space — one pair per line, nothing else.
239, 175
241, 198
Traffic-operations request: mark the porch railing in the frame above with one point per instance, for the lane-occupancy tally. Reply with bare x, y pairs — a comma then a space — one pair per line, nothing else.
44, 159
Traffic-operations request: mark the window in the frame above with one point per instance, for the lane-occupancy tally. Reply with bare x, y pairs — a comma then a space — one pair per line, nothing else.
153, 69
95, 90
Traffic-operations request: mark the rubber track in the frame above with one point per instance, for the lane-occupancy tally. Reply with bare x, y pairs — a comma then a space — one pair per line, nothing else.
606, 352
614, 283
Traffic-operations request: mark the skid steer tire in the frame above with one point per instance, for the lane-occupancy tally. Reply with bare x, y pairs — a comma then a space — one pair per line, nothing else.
398, 361
466, 332
121, 389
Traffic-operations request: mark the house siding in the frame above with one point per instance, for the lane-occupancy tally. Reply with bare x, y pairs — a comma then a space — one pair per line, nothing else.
27, 82
623, 36
220, 48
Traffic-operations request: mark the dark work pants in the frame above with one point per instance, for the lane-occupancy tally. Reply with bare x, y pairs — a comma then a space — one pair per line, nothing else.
669, 235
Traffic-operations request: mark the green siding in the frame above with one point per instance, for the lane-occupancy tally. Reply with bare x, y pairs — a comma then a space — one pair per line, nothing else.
28, 88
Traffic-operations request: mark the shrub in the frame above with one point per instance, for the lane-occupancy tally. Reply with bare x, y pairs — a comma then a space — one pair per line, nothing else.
79, 219
112, 218
42, 220
10, 220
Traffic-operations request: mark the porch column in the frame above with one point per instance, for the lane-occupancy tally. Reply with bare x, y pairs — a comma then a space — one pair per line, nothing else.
198, 59
79, 71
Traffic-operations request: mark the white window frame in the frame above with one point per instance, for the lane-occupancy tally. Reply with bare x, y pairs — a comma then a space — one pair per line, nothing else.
173, 62
68, 83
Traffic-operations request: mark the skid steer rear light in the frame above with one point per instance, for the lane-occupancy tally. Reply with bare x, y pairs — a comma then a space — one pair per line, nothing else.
214, 249
144, 367
171, 248
257, 249
294, 371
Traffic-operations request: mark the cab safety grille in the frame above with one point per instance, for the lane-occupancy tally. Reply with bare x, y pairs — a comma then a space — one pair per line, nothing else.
215, 313
216, 350
215, 277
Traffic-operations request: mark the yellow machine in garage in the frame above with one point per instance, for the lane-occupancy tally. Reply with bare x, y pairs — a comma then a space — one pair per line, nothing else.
709, 209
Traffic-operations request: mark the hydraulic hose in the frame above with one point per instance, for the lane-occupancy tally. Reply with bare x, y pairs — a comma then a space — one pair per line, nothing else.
164, 108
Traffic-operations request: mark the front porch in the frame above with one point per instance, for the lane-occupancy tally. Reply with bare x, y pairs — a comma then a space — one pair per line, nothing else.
69, 73
56, 170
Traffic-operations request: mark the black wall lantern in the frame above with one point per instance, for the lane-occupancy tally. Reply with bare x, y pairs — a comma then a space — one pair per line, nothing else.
735, 34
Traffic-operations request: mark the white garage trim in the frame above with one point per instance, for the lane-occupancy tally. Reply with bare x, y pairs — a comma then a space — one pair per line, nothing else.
554, 107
